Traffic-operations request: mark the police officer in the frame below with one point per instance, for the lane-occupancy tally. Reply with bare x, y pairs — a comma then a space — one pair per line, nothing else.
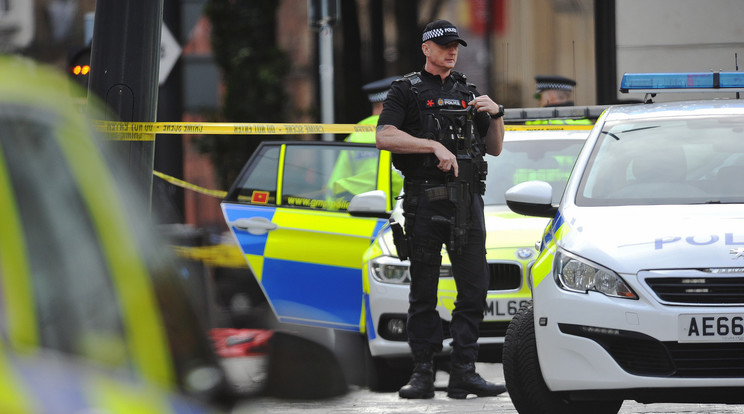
351, 175
376, 93
411, 126
554, 90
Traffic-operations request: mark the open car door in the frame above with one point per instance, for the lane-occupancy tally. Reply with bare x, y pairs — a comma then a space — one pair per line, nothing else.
288, 212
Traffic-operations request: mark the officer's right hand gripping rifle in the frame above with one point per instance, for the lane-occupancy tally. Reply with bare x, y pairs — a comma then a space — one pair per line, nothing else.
472, 172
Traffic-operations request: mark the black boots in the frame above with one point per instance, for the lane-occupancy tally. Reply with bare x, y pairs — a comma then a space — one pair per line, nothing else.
421, 384
464, 380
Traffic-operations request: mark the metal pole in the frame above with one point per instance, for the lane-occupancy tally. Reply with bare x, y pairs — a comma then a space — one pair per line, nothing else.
125, 61
325, 44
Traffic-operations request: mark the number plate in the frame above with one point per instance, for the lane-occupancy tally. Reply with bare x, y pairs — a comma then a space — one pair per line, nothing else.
502, 309
728, 327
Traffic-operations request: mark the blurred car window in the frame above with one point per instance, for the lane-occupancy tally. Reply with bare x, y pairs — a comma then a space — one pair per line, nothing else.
53, 216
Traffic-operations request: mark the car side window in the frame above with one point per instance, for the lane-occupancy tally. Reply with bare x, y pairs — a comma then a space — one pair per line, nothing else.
327, 177
258, 185
310, 176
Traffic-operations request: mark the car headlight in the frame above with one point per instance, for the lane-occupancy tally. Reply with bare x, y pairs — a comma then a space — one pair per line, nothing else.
387, 269
579, 275
389, 272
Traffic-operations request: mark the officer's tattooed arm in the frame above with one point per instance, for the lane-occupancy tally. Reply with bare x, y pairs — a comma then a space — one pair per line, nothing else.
495, 136
392, 139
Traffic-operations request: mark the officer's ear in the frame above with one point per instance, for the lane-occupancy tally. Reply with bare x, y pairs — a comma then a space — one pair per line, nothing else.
425, 49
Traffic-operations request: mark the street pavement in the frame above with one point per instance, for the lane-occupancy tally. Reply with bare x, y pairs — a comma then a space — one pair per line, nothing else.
361, 400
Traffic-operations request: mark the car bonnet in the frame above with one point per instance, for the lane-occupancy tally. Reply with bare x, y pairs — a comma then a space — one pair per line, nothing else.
628, 239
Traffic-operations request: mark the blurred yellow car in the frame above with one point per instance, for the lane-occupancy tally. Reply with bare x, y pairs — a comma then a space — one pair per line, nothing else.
81, 272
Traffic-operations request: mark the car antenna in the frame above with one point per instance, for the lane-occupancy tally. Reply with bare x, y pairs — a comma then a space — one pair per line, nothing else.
736, 64
506, 80
573, 63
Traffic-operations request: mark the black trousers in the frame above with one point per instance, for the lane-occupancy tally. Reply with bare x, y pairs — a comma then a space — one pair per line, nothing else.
469, 268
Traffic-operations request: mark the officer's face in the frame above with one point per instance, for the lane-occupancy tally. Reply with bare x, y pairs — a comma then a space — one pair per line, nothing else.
552, 97
441, 56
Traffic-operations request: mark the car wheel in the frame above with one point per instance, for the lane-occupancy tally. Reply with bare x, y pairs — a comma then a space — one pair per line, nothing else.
303, 368
386, 375
524, 380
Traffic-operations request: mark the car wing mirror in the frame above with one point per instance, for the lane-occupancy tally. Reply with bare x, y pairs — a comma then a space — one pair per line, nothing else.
369, 204
531, 198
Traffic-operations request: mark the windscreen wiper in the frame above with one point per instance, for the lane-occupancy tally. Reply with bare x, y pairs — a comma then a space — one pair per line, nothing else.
628, 130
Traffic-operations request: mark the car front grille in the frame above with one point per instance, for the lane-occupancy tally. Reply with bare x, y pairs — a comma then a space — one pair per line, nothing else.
698, 290
639, 354
504, 276
487, 329
707, 359
490, 329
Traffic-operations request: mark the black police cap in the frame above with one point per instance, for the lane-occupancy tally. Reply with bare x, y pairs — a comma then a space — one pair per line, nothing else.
546, 82
441, 32
377, 91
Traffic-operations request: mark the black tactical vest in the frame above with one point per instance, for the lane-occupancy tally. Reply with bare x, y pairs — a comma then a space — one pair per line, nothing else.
430, 99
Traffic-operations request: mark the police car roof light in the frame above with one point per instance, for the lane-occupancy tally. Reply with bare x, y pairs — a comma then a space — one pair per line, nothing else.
557, 112
682, 82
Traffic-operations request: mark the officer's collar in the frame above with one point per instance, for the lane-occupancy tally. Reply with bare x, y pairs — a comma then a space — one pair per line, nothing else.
437, 78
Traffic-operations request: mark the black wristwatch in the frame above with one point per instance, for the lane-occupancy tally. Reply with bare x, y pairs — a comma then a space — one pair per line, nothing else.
499, 114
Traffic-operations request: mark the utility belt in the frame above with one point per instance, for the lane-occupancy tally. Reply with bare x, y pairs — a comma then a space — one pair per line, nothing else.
425, 186
437, 189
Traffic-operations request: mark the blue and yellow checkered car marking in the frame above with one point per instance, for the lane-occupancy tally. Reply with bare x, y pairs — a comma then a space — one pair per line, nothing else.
310, 265
555, 230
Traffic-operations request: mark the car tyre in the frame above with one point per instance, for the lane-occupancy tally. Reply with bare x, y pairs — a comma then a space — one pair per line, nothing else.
386, 375
524, 380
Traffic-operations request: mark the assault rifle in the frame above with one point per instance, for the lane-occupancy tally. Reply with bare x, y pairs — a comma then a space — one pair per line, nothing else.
471, 172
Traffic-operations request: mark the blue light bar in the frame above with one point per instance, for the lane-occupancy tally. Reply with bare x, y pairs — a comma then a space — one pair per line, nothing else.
682, 82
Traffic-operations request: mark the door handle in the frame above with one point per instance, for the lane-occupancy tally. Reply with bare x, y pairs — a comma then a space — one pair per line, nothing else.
254, 225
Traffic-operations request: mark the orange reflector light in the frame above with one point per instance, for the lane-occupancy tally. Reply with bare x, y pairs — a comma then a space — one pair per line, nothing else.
81, 70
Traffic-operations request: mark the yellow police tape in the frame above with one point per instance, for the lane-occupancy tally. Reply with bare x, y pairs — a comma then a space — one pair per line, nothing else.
134, 131
189, 186
219, 255
146, 131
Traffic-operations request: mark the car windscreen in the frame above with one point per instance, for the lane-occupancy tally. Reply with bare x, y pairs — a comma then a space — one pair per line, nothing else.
666, 161
549, 160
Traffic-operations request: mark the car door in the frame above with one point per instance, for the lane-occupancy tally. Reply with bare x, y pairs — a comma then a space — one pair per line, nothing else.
288, 212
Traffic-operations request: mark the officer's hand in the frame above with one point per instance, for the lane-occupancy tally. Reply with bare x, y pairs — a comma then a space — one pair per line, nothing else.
485, 104
447, 160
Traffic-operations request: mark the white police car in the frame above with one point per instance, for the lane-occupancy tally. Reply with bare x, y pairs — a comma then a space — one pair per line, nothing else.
638, 289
